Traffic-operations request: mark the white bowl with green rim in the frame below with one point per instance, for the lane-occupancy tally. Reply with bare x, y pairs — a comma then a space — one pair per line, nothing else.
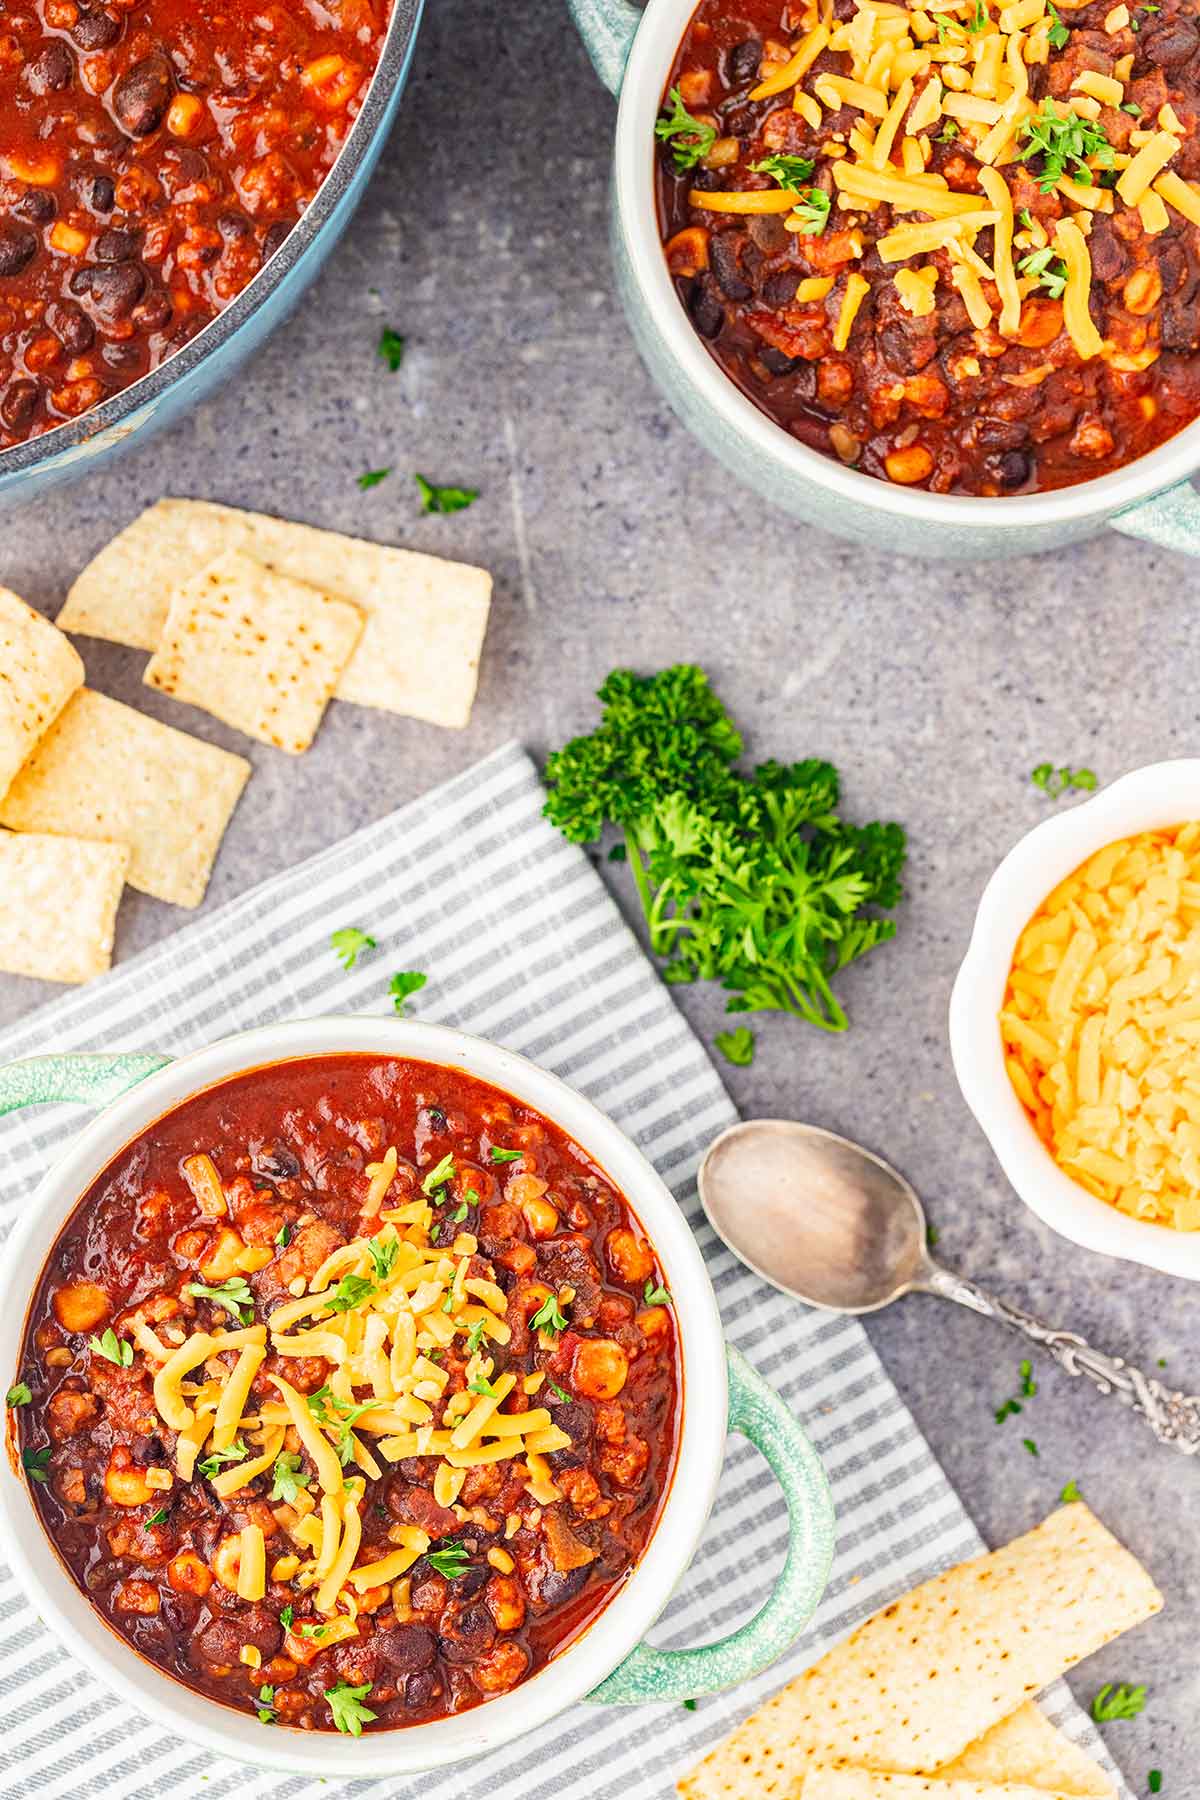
609, 1662
1152, 497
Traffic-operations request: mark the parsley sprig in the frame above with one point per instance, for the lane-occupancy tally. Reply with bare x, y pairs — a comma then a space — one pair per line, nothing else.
549, 1317
435, 499
234, 1452
289, 1477
1054, 783
789, 171
452, 1562
1118, 1702
750, 880
811, 212
391, 348
346, 1706
112, 1348
736, 1046
1045, 270
19, 1394
403, 985
688, 139
349, 944
1065, 142
234, 1295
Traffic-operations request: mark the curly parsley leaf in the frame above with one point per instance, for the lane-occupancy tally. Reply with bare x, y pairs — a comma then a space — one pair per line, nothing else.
1070, 1493
266, 1705
349, 944
112, 1348
549, 1317
19, 1394
36, 1464
654, 1294
234, 1452
439, 1175
391, 348
234, 1295
1065, 142
384, 1252
1060, 32
452, 1562
350, 1292
750, 880
1119, 1702
403, 985
737, 1046
1045, 270
811, 212
1054, 783
475, 1337
289, 1477
788, 171
689, 140
286, 1616
345, 1704
436, 499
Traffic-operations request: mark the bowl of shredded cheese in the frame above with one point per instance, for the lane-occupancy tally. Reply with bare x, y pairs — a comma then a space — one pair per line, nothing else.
1075, 1019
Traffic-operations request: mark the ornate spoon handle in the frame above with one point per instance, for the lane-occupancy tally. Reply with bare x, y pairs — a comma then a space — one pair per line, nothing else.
1173, 1417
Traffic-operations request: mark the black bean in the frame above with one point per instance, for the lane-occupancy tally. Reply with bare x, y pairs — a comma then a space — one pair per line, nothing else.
52, 71
277, 235
142, 95
708, 315
274, 1162
707, 180
234, 226
466, 1635
36, 205
777, 362
19, 404
743, 62
723, 260
103, 196
95, 31
153, 312
1014, 468
420, 1689
406, 1648
780, 289
114, 289
18, 247
115, 246
1180, 327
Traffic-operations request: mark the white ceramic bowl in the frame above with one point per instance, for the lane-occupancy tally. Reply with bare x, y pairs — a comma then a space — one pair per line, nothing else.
712, 1377
1162, 794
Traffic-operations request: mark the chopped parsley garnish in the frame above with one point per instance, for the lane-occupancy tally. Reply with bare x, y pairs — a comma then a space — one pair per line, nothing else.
1056, 782
35, 1463
350, 1292
1064, 141
788, 171
943, 26
481, 1385
159, 1517
979, 18
1132, 108
391, 348
340, 1419
1070, 1493
1026, 218
1045, 270
475, 1337
502, 1156
404, 984
1118, 1703
287, 1614
349, 944
18, 1394
384, 1252
689, 1705
436, 499
655, 1295
1060, 33
1028, 1385
112, 1348
345, 1703
737, 1046
289, 1477
811, 212
451, 1562
266, 1705
688, 139
439, 1175
372, 477
311, 1629
1030, 1446
949, 132
234, 1295
749, 880
459, 1214
932, 1236
1007, 1410
283, 1236
559, 1393
548, 1317
235, 1452
1154, 1781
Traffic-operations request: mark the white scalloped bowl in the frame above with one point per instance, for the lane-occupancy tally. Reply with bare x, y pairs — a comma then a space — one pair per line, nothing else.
1162, 794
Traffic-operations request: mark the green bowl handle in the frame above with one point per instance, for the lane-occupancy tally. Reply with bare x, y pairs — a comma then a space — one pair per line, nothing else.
1171, 519
608, 28
757, 1412
85, 1080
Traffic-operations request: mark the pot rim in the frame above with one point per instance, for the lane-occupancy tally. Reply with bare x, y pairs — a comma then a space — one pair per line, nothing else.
1160, 794
634, 1606
654, 47
110, 415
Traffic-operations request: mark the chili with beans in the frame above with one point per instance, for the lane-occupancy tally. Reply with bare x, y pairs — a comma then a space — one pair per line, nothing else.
1037, 321
350, 1392
153, 154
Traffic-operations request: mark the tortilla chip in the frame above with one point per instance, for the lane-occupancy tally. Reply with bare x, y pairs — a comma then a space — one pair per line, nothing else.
255, 649
862, 1784
110, 774
425, 618
1028, 1748
935, 1670
58, 905
39, 671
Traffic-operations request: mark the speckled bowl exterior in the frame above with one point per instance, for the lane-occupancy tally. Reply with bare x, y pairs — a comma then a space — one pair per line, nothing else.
1151, 498
1162, 794
609, 1662
71, 450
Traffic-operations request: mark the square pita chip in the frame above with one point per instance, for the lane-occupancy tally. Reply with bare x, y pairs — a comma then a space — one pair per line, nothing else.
110, 774
425, 618
58, 905
255, 648
39, 671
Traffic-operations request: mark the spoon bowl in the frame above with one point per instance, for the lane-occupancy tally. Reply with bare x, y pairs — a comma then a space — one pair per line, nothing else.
818, 1216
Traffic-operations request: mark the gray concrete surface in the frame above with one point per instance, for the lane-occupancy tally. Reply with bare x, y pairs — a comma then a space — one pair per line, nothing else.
614, 538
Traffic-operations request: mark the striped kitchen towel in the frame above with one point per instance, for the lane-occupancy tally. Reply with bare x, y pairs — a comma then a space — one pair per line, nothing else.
523, 944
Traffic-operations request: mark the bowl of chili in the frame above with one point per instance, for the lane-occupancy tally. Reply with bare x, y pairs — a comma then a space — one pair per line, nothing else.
340, 1246
848, 351
170, 182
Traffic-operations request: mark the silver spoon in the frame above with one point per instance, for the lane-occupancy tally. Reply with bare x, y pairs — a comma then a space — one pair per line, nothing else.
828, 1222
